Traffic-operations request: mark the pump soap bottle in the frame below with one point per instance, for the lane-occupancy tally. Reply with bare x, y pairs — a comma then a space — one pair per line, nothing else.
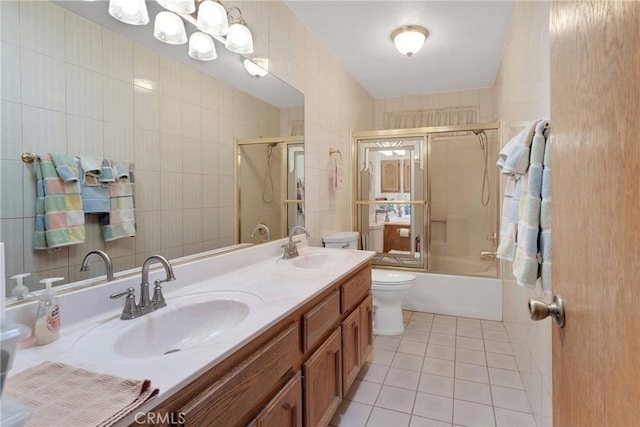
47, 328
21, 292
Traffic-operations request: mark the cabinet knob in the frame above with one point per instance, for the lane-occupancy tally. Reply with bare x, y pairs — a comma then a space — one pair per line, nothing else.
354, 325
286, 406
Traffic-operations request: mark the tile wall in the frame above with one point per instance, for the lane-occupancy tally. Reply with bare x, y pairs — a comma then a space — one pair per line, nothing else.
522, 94
71, 86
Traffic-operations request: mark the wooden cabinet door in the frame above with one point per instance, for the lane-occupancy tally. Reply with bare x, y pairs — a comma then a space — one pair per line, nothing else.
284, 410
351, 354
323, 382
366, 328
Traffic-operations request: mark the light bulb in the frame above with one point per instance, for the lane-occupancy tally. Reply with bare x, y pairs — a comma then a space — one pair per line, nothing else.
239, 39
201, 47
212, 18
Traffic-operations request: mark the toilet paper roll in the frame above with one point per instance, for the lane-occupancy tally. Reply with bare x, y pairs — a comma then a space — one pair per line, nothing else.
404, 232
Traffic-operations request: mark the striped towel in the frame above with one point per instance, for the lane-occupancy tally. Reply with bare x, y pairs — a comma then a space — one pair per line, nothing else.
59, 214
120, 221
526, 265
545, 220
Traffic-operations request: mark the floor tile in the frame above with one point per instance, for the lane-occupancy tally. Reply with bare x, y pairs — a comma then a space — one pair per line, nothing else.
492, 324
510, 398
498, 347
502, 361
505, 378
470, 343
467, 371
472, 414
441, 352
434, 407
364, 392
417, 421
373, 373
427, 317
442, 339
441, 318
507, 418
443, 328
351, 414
412, 347
386, 343
418, 325
385, 418
409, 362
406, 314
402, 378
420, 336
495, 335
469, 323
396, 399
475, 357
469, 332
472, 392
438, 367
381, 357
435, 384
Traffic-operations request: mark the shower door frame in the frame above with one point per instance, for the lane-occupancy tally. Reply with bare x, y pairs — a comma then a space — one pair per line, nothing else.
426, 133
286, 141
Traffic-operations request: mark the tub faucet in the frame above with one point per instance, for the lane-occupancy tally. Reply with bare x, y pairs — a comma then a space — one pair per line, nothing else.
107, 262
290, 249
263, 227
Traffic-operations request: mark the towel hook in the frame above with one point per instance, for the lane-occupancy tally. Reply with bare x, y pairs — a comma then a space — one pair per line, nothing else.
28, 157
333, 151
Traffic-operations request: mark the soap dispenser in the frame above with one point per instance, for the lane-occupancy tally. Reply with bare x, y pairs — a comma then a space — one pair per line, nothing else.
21, 292
47, 328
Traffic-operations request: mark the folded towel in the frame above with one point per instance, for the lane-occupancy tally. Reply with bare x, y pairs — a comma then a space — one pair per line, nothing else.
107, 172
120, 169
59, 214
95, 197
120, 221
338, 176
545, 219
63, 395
92, 167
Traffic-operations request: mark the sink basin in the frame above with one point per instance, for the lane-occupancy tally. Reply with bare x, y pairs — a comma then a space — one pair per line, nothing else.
320, 259
187, 322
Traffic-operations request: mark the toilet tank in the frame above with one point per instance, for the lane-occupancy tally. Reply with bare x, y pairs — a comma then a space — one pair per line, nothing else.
343, 240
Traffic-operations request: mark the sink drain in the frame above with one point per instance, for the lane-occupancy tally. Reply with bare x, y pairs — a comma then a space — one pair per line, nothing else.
175, 350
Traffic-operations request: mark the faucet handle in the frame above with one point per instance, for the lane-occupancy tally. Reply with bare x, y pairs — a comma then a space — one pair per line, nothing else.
158, 298
130, 310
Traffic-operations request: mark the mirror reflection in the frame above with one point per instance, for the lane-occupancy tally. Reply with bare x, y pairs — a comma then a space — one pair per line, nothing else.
91, 86
270, 188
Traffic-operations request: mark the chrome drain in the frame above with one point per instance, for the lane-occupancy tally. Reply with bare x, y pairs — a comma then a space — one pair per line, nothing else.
175, 350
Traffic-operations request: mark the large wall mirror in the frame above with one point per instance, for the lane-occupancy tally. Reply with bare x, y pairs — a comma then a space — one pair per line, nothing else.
76, 81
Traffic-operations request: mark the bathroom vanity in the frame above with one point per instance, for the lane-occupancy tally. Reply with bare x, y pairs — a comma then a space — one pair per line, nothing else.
291, 339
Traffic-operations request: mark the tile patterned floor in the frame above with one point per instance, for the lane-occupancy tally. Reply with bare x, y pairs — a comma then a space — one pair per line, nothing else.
442, 371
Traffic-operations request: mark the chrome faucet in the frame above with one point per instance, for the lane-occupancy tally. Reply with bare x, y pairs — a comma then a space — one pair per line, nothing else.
107, 262
290, 249
264, 227
147, 305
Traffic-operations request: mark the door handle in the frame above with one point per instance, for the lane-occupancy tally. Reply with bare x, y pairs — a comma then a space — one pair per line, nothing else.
541, 310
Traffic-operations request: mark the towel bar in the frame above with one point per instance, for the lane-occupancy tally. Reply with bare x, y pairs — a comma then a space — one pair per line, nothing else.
28, 157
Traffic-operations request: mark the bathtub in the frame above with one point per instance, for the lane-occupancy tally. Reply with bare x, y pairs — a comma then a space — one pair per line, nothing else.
464, 296
469, 265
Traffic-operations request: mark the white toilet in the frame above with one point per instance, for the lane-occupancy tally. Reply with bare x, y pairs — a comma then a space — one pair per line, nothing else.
387, 289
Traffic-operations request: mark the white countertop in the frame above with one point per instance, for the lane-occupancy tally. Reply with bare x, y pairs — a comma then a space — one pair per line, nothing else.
257, 270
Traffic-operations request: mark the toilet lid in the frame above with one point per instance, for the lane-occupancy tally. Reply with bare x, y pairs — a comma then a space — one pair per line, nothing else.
390, 277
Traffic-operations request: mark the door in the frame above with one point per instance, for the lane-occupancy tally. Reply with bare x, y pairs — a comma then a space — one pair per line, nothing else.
351, 352
595, 116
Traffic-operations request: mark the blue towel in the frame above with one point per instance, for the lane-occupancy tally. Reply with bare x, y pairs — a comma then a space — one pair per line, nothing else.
107, 172
95, 198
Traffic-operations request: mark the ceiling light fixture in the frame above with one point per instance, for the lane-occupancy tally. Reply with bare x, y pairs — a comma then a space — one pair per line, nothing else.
409, 39
257, 67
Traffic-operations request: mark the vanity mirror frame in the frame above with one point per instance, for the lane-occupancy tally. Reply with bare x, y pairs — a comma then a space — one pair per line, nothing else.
285, 146
360, 163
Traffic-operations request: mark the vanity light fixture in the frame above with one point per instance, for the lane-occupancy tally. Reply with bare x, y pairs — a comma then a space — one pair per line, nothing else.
169, 28
409, 39
201, 47
212, 18
132, 12
178, 6
257, 67
239, 38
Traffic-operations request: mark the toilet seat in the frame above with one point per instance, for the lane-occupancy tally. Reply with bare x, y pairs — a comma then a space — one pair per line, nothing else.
388, 278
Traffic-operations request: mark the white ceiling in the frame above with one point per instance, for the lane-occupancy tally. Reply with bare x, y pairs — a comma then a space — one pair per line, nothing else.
463, 49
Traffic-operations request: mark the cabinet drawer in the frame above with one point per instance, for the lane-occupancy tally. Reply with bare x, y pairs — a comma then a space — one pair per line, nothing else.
355, 289
228, 401
320, 320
